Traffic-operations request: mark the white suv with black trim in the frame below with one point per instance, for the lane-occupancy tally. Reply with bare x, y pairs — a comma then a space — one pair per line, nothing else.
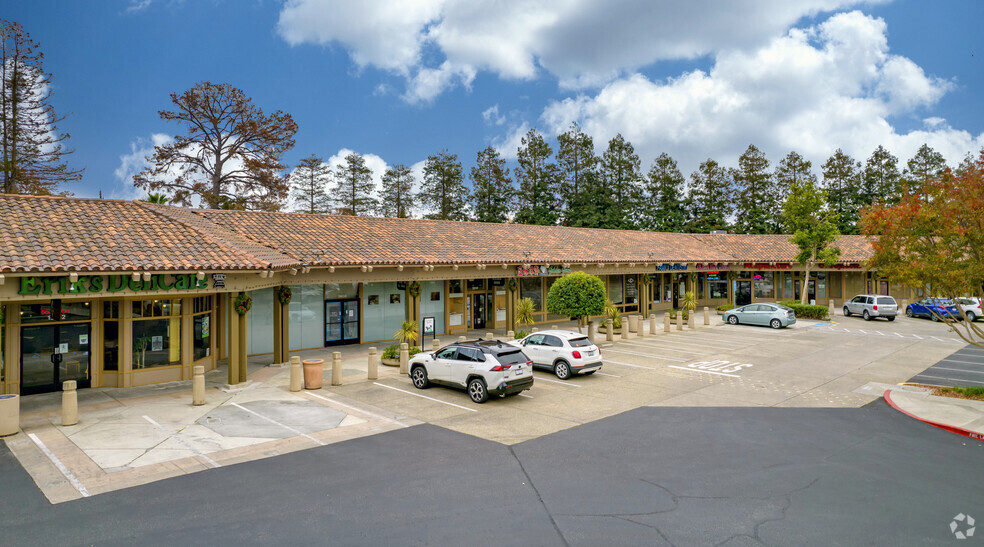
565, 353
482, 367
871, 306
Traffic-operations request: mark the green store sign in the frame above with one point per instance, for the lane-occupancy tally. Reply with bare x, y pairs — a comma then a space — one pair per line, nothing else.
87, 284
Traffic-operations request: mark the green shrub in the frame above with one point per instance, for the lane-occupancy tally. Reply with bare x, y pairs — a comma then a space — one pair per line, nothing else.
393, 352
807, 311
686, 313
521, 334
725, 307
414, 350
975, 391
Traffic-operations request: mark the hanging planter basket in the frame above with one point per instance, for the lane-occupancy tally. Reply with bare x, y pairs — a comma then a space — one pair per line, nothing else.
513, 285
414, 289
242, 304
283, 294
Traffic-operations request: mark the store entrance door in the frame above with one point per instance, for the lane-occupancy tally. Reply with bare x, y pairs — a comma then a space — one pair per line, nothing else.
744, 293
341, 322
52, 354
479, 302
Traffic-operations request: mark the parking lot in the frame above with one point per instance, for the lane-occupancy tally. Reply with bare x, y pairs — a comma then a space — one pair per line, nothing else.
843, 363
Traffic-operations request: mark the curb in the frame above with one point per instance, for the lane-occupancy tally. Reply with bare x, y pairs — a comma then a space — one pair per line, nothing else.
951, 428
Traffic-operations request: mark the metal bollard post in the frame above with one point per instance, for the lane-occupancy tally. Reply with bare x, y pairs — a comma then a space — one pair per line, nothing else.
295, 373
405, 358
373, 364
609, 330
707, 316
70, 403
679, 320
435, 344
198, 386
336, 368
666, 322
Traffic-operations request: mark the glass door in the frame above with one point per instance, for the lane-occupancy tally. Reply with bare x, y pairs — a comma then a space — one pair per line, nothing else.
478, 311
341, 322
744, 293
52, 354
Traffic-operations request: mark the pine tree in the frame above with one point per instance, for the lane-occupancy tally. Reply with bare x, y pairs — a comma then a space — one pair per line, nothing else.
443, 190
926, 165
309, 181
493, 194
622, 178
880, 180
32, 149
664, 200
579, 177
756, 207
397, 199
354, 188
538, 180
709, 198
842, 180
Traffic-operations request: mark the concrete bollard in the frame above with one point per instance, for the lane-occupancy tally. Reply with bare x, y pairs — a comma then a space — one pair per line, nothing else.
510, 335
652, 323
679, 320
633, 323
198, 385
489, 335
905, 304
625, 328
70, 403
534, 329
707, 316
666, 322
554, 327
609, 330
642, 326
691, 322
405, 358
830, 307
435, 344
295, 373
461, 338
373, 364
336, 368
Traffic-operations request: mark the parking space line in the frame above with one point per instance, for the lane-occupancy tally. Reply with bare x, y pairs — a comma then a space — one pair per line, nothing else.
661, 347
958, 370
599, 373
525, 395
609, 350
424, 397
917, 336
542, 379
899, 334
275, 422
965, 362
704, 371
171, 435
947, 378
61, 467
619, 363
359, 410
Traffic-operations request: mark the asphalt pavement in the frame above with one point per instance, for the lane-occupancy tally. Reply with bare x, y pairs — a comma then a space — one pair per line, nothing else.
649, 476
964, 368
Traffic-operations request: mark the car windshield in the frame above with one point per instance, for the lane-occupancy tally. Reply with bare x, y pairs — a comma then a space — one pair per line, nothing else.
512, 357
966, 302
579, 342
889, 301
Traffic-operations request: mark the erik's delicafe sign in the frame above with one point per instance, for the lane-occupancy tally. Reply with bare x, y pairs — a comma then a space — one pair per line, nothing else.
109, 283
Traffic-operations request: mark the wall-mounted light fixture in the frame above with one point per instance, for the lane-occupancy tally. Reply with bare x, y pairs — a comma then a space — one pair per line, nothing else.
146, 276
331, 269
136, 276
293, 271
454, 267
200, 276
73, 277
2, 279
399, 268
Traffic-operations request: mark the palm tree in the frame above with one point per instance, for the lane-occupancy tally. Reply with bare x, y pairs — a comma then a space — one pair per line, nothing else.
407, 332
524, 311
159, 199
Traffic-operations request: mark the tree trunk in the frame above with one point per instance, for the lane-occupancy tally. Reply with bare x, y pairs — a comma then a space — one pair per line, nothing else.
804, 291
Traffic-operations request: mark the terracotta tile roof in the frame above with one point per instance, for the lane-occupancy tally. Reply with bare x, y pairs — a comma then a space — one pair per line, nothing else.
39, 234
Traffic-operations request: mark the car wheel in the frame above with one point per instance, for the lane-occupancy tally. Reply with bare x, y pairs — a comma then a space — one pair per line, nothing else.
971, 316
847, 312
477, 390
775, 323
891, 318
908, 312
934, 317
867, 316
562, 370
419, 377
733, 320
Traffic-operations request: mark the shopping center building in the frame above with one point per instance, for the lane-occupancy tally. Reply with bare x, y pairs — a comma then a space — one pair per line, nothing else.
124, 293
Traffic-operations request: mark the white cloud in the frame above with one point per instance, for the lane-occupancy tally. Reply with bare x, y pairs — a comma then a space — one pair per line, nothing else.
509, 144
492, 117
439, 44
812, 90
376, 164
135, 162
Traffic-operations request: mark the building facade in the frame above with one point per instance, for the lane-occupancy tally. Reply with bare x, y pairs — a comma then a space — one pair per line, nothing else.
119, 294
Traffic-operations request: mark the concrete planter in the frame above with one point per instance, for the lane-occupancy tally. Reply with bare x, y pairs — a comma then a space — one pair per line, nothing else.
390, 362
9, 414
604, 329
314, 370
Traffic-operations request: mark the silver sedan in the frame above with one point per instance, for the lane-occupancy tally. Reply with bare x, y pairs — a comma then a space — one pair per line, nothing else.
772, 315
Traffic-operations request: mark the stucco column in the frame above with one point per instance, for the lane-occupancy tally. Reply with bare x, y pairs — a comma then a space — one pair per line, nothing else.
285, 335
243, 336
125, 366
233, 347
222, 304
278, 329
511, 308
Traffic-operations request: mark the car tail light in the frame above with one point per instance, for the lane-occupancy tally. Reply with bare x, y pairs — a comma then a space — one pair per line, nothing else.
875, 307
530, 363
576, 354
499, 368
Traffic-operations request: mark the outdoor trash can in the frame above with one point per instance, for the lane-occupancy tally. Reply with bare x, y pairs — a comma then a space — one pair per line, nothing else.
9, 414
313, 372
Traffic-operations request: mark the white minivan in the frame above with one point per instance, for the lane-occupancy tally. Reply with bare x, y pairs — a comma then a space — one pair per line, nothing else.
871, 306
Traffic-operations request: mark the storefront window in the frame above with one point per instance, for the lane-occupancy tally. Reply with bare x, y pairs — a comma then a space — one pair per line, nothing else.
476, 284
532, 288
339, 291
631, 293
717, 285
202, 326
700, 286
67, 311
454, 288
156, 341
111, 336
615, 289
820, 281
3, 334
764, 285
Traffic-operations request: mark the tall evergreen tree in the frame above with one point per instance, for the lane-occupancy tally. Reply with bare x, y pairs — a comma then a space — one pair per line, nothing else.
538, 180
709, 198
397, 199
622, 178
308, 183
493, 193
926, 165
579, 183
32, 150
756, 208
842, 180
814, 230
880, 180
443, 190
664, 201
354, 188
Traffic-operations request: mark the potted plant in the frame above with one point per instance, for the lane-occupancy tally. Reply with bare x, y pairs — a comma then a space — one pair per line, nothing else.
611, 312
524, 312
391, 356
140, 351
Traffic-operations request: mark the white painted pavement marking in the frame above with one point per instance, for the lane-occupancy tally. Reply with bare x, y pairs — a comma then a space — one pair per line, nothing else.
609, 361
899, 334
359, 410
937, 338
61, 467
599, 373
704, 371
424, 397
660, 346
525, 395
171, 435
945, 378
917, 336
275, 422
609, 350
958, 369
542, 379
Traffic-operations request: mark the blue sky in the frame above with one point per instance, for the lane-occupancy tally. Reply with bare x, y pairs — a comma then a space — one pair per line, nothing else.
398, 81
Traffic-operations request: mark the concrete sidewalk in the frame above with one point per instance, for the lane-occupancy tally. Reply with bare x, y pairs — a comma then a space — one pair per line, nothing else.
961, 416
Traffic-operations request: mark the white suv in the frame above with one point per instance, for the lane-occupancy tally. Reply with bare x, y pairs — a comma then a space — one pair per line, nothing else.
482, 367
564, 352
871, 306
